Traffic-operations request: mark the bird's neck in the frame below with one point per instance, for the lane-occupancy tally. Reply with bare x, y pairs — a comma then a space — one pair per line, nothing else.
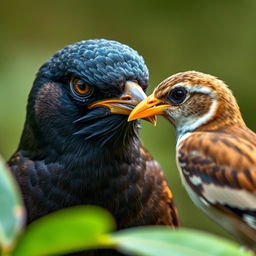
221, 113
226, 115
76, 153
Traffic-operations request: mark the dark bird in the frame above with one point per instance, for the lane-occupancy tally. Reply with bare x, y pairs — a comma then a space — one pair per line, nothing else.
216, 151
77, 147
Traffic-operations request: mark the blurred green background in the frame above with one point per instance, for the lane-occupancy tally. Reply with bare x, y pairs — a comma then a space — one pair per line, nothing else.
216, 37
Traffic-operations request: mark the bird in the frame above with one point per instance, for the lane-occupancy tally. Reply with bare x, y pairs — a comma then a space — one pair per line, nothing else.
77, 147
215, 150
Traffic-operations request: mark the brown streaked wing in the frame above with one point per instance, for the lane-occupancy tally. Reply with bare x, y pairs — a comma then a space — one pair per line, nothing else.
220, 167
225, 157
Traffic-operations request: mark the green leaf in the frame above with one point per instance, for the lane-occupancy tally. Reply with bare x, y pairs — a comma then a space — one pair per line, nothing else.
12, 211
155, 241
69, 230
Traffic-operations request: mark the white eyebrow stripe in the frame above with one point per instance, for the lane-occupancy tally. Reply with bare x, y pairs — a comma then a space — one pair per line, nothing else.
196, 88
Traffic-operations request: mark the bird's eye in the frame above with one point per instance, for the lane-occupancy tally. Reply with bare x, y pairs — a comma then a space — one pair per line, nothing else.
80, 88
177, 95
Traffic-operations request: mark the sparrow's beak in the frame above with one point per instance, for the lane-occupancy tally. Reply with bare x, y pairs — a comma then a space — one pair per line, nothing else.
151, 106
133, 94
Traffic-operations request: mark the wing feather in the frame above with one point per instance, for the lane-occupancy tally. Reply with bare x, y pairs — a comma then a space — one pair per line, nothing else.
221, 169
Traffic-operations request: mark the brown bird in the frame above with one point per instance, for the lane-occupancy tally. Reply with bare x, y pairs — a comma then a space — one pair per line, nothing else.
77, 147
216, 151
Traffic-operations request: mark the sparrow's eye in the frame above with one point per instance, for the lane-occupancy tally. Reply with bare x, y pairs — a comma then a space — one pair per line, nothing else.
79, 88
177, 95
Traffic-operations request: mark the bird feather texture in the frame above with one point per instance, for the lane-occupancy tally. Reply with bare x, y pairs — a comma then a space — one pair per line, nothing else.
72, 154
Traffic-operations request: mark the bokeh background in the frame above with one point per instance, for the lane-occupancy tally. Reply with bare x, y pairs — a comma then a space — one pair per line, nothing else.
216, 37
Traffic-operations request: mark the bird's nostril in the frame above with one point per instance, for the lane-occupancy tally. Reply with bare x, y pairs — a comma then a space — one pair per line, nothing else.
126, 97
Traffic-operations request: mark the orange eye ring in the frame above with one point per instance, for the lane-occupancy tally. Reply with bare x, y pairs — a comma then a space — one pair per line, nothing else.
80, 88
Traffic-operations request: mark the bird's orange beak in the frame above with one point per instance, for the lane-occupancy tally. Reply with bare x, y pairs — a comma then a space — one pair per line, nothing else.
133, 94
149, 107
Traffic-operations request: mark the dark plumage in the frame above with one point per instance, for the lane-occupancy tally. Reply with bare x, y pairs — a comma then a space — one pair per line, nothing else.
73, 152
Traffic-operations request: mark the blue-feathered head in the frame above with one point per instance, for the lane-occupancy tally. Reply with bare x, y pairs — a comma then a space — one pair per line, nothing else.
99, 62
84, 93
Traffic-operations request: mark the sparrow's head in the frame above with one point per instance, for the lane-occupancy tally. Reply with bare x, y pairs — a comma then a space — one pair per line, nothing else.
191, 100
85, 93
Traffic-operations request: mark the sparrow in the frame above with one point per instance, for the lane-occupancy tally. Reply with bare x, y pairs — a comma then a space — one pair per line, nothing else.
77, 147
215, 150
